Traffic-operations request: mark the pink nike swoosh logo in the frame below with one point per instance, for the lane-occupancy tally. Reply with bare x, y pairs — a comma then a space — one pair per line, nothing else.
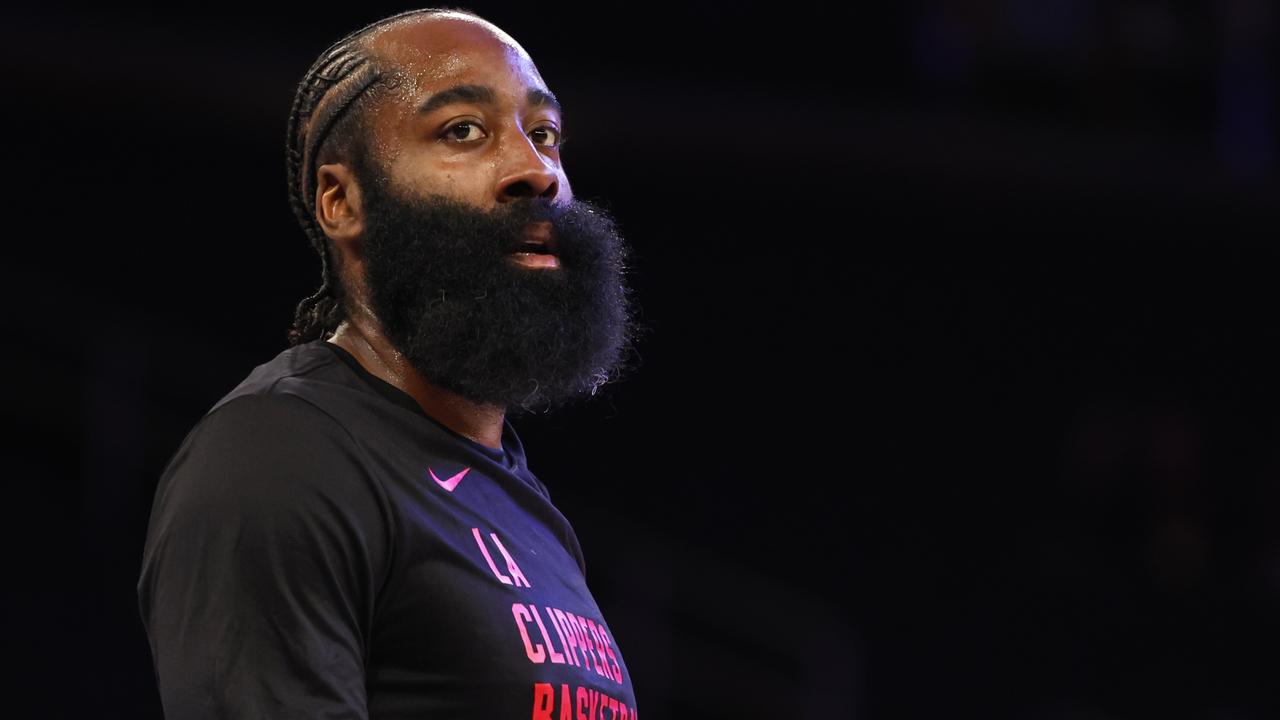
452, 482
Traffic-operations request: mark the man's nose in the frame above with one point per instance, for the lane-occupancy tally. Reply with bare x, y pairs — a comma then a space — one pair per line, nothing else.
529, 174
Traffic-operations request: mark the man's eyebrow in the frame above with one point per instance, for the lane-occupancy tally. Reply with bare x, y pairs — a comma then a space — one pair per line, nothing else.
483, 94
457, 93
543, 98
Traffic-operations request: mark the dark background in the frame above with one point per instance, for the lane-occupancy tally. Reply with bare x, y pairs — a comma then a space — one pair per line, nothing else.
958, 395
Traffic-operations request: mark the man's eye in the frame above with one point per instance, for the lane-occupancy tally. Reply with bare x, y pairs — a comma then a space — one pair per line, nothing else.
464, 132
548, 136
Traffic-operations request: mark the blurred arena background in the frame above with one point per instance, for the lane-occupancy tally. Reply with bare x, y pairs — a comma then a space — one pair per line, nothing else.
958, 394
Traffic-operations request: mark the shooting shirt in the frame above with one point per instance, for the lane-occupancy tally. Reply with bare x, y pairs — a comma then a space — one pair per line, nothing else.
319, 547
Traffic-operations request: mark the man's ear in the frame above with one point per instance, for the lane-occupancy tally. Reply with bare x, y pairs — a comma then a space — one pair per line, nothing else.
338, 207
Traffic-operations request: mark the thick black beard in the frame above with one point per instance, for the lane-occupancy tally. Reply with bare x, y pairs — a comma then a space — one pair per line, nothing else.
474, 323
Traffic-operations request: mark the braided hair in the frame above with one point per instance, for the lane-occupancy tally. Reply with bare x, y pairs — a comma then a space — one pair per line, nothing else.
328, 116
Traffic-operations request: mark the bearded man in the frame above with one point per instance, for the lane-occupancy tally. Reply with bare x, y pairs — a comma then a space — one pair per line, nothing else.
354, 532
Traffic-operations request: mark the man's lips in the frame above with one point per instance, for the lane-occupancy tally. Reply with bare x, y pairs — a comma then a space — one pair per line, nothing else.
538, 248
534, 260
538, 235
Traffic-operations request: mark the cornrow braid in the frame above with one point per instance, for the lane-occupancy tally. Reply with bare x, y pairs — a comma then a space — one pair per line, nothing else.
333, 85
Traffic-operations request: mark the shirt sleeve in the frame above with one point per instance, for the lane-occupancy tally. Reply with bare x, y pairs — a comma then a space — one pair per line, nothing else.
264, 553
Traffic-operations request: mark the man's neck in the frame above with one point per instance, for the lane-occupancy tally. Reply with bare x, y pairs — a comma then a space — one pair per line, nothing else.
477, 421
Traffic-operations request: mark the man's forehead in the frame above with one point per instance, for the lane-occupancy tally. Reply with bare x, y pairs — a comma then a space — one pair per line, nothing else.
442, 47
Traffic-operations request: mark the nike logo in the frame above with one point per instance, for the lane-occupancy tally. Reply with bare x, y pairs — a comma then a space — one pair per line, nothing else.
452, 482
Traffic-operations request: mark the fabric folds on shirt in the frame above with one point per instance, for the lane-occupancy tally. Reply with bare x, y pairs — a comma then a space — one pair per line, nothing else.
320, 547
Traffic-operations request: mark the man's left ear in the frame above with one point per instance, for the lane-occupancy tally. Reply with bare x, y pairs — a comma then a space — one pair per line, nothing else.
339, 210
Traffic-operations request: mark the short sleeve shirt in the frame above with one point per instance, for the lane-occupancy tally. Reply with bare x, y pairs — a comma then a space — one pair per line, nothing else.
319, 547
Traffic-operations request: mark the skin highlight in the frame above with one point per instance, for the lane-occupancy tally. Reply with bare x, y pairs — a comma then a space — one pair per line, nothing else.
483, 152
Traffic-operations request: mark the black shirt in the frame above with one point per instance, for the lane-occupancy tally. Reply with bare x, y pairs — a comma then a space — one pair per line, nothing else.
319, 547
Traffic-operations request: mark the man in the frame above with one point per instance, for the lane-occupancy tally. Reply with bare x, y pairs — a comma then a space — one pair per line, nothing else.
353, 532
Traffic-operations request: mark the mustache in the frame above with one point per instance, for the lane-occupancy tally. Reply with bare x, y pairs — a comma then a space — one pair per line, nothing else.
576, 231
508, 223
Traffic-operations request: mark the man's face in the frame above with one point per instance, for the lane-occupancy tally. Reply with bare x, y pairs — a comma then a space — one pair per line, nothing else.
463, 197
468, 117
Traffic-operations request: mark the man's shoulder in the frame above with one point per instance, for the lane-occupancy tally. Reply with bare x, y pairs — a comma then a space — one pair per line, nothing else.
294, 398
300, 371
265, 430
271, 439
